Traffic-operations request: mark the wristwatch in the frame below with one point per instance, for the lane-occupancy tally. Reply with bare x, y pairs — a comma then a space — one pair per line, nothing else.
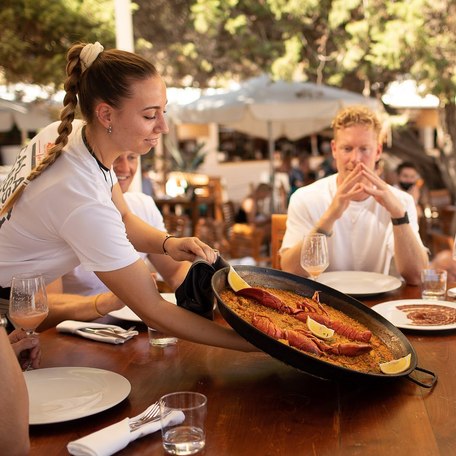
401, 220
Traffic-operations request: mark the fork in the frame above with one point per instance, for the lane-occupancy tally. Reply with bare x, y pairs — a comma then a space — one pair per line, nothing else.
109, 331
152, 413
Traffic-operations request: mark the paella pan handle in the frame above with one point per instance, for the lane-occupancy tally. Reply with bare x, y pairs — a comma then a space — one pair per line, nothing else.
431, 377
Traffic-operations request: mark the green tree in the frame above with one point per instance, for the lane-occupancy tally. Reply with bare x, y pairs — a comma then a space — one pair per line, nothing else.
360, 45
36, 35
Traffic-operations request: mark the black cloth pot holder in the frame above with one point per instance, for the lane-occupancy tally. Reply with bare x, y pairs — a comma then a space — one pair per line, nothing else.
195, 293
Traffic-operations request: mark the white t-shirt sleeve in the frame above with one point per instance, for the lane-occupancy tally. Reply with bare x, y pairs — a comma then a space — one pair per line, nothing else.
97, 235
145, 208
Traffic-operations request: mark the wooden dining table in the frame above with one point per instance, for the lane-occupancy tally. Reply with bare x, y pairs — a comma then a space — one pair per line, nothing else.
258, 405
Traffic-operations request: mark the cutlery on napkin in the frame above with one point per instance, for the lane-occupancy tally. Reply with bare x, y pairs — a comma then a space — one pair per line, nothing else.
100, 332
114, 438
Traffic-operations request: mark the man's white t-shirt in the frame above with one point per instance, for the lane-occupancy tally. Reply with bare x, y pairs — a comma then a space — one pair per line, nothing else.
65, 217
82, 282
362, 238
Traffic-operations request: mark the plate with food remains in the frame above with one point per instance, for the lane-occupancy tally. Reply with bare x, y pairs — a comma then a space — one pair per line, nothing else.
313, 327
421, 314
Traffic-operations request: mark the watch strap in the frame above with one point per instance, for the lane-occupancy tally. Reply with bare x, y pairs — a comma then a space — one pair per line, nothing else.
401, 220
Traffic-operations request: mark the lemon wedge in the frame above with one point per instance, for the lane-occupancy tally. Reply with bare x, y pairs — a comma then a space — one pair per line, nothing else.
319, 330
396, 366
235, 281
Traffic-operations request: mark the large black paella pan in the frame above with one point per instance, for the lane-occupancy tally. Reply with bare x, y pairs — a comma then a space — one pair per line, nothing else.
378, 325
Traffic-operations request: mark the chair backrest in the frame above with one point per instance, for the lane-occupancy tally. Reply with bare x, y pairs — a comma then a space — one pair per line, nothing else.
212, 232
246, 241
229, 213
178, 225
278, 228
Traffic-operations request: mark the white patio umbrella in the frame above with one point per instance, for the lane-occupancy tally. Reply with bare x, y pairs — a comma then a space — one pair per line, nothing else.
272, 109
27, 117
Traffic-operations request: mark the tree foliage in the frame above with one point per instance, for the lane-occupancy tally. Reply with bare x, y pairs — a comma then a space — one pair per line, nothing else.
36, 35
360, 45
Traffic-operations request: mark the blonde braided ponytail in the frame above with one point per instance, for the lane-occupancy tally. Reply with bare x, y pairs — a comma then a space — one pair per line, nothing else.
73, 70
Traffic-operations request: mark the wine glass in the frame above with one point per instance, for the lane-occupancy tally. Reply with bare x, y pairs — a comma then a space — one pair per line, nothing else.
452, 291
28, 305
314, 254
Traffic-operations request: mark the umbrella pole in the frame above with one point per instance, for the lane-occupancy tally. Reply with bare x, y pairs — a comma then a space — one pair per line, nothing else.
271, 144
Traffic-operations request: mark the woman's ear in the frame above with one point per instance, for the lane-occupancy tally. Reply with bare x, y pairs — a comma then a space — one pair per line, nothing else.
104, 114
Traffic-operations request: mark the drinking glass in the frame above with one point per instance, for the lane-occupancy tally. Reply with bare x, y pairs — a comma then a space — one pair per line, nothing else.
314, 254
28, 305
452, 291
185, 435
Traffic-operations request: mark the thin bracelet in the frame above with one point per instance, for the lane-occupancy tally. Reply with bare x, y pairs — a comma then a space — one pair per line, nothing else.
95, 305
164, 242
324, 232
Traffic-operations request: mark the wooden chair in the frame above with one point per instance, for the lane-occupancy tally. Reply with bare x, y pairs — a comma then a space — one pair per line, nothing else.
246, 241
439, 242
278, 228
229, 215
212, 232
178, 225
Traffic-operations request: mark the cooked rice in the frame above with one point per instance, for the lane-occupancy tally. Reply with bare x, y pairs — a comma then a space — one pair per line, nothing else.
366, 362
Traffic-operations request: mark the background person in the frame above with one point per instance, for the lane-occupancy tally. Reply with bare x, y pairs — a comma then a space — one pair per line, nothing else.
367, 221
62, 206
410, 181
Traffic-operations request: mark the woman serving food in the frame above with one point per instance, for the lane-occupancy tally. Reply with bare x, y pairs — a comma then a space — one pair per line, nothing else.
62, 205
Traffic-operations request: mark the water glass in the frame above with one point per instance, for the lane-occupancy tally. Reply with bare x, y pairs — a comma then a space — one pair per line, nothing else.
433, 283
159, 339
188, 436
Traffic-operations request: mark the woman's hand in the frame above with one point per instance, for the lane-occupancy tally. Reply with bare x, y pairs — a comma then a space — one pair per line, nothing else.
27, 349
189, 248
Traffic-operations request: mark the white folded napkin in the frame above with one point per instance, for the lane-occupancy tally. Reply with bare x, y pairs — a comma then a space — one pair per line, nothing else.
74, 327
114, 438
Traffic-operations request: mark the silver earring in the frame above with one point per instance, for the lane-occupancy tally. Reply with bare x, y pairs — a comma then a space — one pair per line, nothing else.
109, 129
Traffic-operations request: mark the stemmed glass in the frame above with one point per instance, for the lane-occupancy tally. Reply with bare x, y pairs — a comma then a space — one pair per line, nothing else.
28, 305
314, 254
452, 291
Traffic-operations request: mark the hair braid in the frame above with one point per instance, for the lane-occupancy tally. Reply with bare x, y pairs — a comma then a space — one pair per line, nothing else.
67, 114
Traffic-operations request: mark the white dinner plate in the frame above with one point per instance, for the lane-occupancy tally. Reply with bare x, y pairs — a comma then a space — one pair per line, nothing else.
398, 317
359, 283
127, 314
59, 394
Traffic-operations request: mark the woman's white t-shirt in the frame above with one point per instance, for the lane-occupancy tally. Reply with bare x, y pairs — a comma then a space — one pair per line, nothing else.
65, 217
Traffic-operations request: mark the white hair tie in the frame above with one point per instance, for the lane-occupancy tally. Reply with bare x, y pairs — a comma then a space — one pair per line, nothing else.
89, 53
